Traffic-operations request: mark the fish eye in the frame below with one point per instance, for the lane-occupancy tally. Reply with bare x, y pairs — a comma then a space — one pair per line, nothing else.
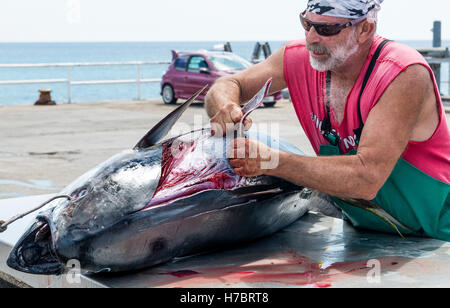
82, 193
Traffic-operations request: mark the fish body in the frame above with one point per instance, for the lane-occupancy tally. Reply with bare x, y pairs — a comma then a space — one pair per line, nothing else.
159, 201
148, 206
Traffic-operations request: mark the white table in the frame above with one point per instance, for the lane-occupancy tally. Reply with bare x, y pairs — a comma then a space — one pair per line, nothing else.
316, 251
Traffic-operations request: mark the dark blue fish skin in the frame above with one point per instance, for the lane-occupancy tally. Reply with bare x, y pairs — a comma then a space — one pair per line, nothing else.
178, 232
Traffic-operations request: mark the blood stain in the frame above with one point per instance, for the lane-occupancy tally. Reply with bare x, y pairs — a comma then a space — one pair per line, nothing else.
322, 285
181, 274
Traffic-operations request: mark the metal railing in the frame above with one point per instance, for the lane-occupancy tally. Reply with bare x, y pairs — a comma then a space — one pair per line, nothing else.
434, 60
138, 81
437, 57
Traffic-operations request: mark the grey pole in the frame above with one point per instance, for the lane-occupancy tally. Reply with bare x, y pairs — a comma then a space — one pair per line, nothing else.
437, 42
437, 32
139, 81
69, 84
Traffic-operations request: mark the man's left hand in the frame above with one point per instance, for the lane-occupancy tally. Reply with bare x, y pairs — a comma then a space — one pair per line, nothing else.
250, 158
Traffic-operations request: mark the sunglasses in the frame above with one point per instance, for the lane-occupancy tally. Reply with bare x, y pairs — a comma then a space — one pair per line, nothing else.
327, 29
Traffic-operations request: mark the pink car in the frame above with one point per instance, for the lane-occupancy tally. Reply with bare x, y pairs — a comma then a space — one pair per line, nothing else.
191, 71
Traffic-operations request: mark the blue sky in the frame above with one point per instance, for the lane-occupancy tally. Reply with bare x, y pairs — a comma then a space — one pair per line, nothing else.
193, 20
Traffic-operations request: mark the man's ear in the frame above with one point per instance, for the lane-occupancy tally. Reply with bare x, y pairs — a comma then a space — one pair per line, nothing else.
365, 31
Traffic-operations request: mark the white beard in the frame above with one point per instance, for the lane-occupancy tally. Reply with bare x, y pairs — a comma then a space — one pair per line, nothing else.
338, 57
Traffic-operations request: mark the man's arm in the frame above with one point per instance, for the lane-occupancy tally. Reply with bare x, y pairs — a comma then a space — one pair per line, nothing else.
386, 134
228, 93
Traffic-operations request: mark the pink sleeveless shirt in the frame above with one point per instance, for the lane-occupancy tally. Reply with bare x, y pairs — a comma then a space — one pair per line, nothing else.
307, 88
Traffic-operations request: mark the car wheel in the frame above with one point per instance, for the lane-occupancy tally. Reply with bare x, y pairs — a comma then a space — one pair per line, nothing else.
269, 105
168, 95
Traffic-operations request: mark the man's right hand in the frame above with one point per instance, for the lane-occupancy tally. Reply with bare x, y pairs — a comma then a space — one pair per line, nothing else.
227, 118
222, 100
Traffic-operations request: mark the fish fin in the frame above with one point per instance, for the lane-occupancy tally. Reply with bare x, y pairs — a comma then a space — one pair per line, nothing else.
378, 211
160, 130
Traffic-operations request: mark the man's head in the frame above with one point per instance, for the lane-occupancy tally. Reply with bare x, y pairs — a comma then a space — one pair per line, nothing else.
336, 30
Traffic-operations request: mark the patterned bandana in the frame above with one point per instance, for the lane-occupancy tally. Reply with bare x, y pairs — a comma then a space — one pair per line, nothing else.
351, 9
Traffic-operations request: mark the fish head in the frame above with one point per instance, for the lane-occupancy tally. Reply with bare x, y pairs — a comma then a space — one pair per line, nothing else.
34, 253
99, 199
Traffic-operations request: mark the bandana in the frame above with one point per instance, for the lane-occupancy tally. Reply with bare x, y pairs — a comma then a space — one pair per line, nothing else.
351, 9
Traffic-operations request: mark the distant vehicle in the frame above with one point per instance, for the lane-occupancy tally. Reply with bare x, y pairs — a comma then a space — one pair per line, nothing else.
191, 71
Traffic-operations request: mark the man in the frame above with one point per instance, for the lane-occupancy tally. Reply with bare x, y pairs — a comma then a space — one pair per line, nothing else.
380, 132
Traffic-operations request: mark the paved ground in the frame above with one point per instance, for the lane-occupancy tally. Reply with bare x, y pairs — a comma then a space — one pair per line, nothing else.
42, 149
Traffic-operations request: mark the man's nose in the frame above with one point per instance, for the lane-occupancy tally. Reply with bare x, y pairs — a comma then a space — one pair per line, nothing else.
312, 36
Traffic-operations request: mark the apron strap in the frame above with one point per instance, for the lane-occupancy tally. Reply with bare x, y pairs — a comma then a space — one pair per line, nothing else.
373, 62
329, 134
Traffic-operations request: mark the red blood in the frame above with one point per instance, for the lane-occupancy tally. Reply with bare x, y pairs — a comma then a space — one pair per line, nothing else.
182, 176
322, 285
181, 274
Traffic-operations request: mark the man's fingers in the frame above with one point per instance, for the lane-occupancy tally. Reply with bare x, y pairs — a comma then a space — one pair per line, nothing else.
239, 171
236, 163
237, 142
239, 148
217, 129
237, 153
236, 114
248, 123
227, 117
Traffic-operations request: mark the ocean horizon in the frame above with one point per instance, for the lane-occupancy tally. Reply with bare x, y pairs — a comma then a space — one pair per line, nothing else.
47, 52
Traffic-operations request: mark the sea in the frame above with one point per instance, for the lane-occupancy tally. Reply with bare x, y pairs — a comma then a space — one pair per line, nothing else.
32, 53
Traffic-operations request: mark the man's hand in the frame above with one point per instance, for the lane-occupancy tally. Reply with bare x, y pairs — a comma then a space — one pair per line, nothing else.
250, 158
223, 100
226, 119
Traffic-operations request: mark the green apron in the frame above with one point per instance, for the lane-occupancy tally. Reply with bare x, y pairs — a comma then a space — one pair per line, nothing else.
419, 203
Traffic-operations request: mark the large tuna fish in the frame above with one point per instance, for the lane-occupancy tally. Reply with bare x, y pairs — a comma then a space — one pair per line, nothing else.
152, 204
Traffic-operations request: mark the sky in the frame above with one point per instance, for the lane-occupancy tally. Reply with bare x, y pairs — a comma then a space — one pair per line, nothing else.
194, 20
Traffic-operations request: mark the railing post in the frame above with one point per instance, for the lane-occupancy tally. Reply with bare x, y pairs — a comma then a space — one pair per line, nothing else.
437, 32
139, 81
437, 42
69, 84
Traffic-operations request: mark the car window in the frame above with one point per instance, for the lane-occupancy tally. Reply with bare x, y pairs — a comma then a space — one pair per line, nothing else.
196, 63
229, 62
180, 63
